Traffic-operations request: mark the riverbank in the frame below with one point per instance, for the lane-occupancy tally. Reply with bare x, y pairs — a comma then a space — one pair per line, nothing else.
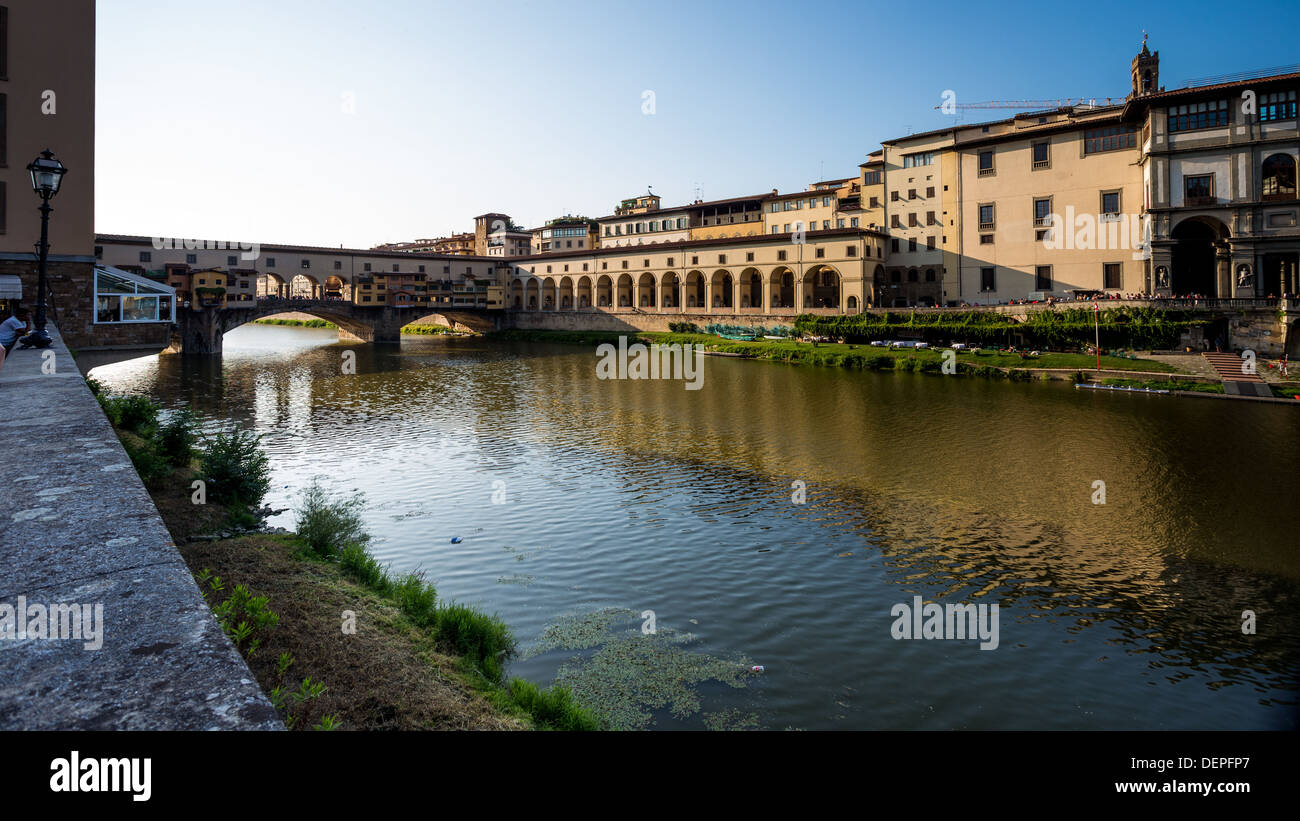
333, 639
986, 363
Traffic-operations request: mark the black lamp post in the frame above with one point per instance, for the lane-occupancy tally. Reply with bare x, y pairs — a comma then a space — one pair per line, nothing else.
47, 174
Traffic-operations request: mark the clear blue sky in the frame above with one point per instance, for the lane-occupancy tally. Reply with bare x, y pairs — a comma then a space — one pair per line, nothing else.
227, 120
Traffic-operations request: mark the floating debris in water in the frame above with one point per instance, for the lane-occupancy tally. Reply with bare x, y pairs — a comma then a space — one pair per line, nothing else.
455, 540
630, 677
523, 579
731, 719
582, 631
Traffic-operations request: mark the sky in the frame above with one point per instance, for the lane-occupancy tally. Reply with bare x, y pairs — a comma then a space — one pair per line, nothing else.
338, 123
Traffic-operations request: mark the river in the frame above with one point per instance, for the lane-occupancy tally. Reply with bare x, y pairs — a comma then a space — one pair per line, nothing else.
574, 495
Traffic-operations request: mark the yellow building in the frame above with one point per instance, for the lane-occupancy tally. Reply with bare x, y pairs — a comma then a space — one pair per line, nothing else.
828, 272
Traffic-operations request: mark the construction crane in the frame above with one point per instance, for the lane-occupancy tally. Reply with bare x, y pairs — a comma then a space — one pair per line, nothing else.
1026, 105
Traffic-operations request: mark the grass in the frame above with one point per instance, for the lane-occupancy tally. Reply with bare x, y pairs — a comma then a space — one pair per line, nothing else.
298, 323
430, 330
1167, 384
857, 356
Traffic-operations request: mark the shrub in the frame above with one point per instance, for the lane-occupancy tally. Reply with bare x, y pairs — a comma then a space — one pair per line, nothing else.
552, 708
151, 465
357, 562
138, 414
484, 640
328, 524
417, 599
236, 469
177, 437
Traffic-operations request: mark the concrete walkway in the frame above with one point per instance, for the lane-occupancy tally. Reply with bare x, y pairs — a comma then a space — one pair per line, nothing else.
80, 529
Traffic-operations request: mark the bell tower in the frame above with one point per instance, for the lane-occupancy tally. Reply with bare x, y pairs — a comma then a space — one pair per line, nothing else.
1145, 71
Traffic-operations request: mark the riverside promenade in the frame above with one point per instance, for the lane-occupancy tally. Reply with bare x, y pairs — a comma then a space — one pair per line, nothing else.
82, 538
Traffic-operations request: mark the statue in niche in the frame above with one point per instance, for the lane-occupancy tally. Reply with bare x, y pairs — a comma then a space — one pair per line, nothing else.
1162, 277
1245, 277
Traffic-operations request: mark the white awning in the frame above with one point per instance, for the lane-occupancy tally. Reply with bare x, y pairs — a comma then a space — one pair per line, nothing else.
11, 287
143, 284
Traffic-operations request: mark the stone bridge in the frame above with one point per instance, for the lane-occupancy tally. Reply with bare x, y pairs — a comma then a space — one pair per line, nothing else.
199, 332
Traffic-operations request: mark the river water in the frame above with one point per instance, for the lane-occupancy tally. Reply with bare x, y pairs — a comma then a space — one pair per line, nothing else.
574, 495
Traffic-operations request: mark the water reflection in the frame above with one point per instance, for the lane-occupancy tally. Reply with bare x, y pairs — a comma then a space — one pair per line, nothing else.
645, 495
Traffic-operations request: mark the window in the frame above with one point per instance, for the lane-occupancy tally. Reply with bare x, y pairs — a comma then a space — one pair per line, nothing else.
1041, 157
1198, 190
930, 218
749, 256
821, 253
1043, 278
839, 222
1194, 116
192, 259
911, 275
986, 217
670, 263
893, 245
875, 202
146, 256
929, 243
826, 202
695, 260
1110, 274
917, 160
988, 282
1279, 181
911, 244
776, 206
894, 196
1111, 138
853, 222
131, 299
895, 221
365, 267
929, 191
270, 263
4, 129
986, 239
231, 262
871, 178
1280, 105
722, 259
4, 42
929, 275
1043, 211
1110, 205
986, 164
911, 193
912, 220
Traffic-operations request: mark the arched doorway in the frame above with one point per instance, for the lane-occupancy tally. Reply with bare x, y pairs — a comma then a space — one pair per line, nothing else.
1194, 256
721, 293
668, 286
821, 287
584, 292
695, 290
604, 292
751, 288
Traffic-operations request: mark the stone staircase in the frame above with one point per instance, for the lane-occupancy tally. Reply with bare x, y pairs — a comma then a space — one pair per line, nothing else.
1236, 382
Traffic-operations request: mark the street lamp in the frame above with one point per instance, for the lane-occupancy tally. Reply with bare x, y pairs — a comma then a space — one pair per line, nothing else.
47, 174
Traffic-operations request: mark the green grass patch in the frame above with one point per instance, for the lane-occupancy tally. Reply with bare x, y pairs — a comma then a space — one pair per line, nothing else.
297, 323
